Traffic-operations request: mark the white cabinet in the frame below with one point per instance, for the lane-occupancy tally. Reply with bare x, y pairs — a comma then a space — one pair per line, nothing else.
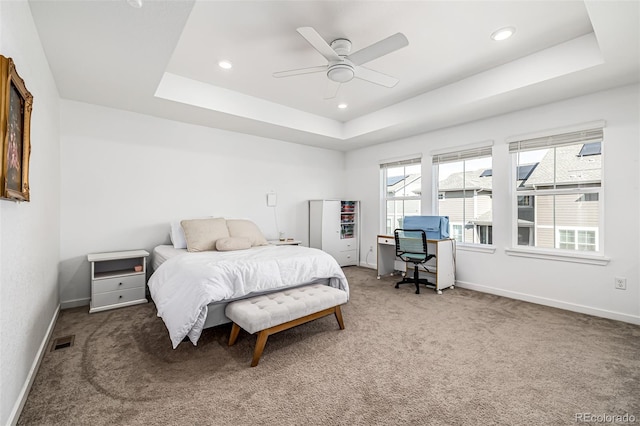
117, 279
334, 227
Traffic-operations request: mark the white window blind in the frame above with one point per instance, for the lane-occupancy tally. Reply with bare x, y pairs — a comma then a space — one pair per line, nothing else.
400, 163
571, 138
466, 154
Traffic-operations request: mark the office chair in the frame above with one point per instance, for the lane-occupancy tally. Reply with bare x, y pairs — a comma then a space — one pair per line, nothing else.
411, 246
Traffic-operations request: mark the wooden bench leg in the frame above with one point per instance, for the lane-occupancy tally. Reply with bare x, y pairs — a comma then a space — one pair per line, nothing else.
339, 317
257, 353
235, 329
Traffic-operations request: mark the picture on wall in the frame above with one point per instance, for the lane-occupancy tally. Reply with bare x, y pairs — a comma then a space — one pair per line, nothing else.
15, 119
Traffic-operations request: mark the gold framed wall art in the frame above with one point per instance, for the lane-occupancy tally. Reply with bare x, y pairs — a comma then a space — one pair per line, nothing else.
15, 124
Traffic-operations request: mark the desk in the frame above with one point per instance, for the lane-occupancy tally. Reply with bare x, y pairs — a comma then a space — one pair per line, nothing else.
442, 268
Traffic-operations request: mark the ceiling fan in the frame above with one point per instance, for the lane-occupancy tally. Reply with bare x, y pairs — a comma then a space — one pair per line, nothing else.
343, 65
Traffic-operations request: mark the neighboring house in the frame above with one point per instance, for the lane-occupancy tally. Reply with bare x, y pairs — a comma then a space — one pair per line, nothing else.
526, 207
466, 198
568, 221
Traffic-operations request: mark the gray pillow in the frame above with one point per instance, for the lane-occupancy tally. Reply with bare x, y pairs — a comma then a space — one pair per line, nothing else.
231, 243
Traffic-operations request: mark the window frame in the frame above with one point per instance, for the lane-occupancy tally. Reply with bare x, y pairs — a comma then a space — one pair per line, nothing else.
463, 153
414, 160
593, 257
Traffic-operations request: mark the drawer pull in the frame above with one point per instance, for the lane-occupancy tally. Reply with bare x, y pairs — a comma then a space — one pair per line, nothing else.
119, 283
120, 297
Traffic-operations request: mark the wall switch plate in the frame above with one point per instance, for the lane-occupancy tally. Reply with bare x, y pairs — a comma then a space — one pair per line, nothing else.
621, 283
271, 199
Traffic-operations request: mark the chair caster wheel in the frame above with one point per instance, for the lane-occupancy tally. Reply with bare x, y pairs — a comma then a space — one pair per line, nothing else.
452, 287
439, 291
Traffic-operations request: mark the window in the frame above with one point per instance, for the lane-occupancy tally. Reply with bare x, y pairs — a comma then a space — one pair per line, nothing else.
558, 191
456, 232
578, 239
524, 201
485, 232
464, 188
401, 184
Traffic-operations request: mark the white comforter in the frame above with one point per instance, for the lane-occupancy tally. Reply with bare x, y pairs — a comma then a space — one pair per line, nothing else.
184, 285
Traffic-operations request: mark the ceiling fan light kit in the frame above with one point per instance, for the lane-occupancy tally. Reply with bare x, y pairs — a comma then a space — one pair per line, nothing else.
340, 72
342, 65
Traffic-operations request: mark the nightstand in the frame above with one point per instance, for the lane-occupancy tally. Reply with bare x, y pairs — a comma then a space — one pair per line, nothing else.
117, 279
285, 242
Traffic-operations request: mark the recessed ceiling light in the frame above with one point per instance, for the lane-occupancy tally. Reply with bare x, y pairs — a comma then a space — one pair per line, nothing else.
135, 3
226, 65
503, 33
342, 106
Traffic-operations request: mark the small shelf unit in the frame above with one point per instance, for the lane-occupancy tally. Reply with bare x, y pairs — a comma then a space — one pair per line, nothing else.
334, 228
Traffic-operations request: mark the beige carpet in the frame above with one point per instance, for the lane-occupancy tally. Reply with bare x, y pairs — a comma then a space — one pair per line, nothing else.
461, 358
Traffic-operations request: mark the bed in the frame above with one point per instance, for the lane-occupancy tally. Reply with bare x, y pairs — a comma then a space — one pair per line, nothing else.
191, 289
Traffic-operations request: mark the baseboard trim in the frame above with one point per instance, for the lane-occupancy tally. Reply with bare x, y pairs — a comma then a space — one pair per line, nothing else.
603, 313
24, 392
368, 265
75, 303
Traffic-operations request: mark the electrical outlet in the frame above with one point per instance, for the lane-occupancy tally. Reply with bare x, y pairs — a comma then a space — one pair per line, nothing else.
370, 248
621, 283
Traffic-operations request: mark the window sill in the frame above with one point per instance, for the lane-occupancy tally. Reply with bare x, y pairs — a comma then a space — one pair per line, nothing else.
562, 257
479, 248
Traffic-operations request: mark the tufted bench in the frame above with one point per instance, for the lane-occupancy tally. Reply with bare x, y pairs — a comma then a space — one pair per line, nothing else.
270, 313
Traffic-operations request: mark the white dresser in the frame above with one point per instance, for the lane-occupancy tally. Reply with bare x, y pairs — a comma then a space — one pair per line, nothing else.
117, 279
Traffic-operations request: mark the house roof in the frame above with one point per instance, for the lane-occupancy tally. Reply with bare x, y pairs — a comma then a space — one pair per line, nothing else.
572, 166
567, 167
411, 183
466, 180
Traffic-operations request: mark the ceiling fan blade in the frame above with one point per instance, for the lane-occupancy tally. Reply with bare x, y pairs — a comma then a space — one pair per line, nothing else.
318, 43
381, 48
332, 89
375, 77
300, 71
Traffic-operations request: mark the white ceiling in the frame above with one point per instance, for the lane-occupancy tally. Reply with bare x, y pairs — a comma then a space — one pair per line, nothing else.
162, 60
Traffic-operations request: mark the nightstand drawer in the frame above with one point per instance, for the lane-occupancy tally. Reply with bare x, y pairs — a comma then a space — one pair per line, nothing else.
117, 297
118, 283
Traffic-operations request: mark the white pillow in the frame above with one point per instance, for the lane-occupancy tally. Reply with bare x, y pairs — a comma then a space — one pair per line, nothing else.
242, 228
202, 234
176, 235
231, 243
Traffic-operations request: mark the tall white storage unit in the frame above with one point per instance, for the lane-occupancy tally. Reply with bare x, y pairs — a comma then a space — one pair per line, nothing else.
334, 227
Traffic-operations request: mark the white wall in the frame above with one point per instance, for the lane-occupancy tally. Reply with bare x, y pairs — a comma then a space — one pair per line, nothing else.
580, 287
125, 176
29, 237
